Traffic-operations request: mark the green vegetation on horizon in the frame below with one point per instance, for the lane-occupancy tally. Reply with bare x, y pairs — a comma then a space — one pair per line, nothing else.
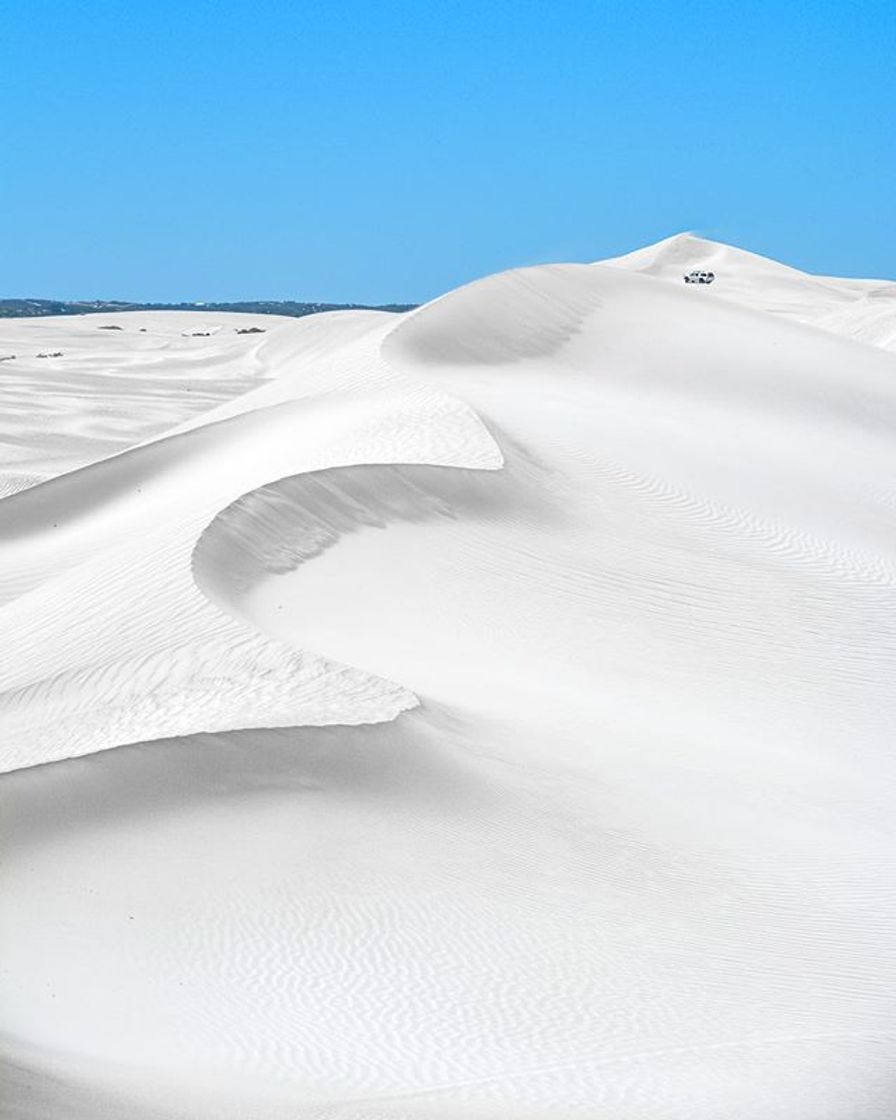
25, 308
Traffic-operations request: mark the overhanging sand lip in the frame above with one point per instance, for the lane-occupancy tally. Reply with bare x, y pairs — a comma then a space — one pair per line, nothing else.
116, 540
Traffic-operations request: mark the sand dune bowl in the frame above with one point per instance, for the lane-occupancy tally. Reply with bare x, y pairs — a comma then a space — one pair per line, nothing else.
483, 711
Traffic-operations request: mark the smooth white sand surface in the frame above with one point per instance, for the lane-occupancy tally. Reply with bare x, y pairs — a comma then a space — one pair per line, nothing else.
502, 702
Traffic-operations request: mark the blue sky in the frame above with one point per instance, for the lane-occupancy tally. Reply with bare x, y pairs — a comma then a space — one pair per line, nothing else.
392, 150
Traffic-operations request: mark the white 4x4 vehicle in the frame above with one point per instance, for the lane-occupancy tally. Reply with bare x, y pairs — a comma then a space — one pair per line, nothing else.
698, 277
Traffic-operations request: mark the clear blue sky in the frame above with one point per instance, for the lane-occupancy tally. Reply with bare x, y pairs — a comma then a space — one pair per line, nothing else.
385, 151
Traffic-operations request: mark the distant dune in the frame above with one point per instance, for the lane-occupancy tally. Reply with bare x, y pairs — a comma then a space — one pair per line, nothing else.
481, 711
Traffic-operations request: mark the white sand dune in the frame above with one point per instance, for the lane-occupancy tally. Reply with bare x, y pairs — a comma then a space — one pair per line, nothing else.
503, 702
860, 309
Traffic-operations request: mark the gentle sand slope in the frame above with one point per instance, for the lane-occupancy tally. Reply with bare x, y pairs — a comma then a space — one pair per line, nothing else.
600, 568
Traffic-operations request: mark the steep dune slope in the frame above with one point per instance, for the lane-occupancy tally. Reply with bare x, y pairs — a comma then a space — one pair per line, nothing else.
628, 855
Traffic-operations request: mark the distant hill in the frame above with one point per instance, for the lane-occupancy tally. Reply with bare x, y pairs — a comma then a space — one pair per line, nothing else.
21, 308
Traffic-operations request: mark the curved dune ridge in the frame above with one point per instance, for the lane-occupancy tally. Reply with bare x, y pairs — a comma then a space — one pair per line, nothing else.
503, 695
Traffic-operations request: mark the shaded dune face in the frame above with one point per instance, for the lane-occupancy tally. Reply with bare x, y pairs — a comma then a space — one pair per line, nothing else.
603, 575
278, 527
637, 332
511, 316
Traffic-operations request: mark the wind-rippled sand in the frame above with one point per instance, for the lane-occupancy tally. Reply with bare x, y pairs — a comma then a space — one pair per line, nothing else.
501, 697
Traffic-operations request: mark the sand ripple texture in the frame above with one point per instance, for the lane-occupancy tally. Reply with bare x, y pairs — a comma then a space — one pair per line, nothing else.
501, 698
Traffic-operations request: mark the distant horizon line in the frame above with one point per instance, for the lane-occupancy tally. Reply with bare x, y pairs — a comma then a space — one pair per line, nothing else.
36, 307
